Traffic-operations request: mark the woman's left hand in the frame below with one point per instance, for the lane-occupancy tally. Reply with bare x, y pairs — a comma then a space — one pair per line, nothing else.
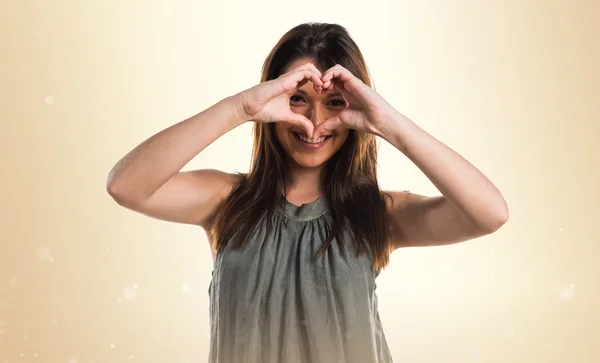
365, 110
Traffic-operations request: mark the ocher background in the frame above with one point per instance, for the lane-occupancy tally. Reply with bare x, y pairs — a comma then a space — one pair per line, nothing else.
511, 85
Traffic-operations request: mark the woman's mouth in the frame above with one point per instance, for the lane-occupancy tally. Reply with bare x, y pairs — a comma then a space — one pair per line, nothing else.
311, 143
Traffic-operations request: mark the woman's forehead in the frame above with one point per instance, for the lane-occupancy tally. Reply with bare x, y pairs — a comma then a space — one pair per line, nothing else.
301, 61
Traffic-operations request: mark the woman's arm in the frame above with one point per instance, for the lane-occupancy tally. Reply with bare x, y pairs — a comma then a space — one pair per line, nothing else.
148, 179
470, 205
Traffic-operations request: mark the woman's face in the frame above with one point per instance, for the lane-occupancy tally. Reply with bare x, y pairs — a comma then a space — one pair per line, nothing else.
311, 153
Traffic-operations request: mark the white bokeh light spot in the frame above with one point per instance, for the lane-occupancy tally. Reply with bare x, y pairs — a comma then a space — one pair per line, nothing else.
566, 293
129, 293
49, 100
44, 254
186, 288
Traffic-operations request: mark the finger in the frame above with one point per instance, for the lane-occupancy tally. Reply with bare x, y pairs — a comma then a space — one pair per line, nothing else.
302, 76
307, 65
290, 82
315, 77
336, 71
318, 84
303, 122
339, 85
302, 83
334, 83
328, 125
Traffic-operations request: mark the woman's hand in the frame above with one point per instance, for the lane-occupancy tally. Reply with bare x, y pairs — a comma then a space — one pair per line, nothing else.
270, 101
365, 110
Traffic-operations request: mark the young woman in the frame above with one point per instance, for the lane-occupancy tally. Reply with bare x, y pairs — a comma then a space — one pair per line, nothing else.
299, 240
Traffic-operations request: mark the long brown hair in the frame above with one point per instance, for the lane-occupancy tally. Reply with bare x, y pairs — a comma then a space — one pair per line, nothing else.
349, 178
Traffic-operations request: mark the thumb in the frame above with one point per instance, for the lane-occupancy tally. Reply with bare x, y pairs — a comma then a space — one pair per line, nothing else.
303, 122
329, 125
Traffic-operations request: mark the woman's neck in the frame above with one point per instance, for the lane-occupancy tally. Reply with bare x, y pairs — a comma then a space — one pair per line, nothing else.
304, 184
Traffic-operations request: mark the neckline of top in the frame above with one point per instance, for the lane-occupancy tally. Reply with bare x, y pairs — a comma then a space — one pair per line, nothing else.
305, 211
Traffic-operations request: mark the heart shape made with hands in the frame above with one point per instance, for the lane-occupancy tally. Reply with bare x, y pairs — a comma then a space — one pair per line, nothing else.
365, 109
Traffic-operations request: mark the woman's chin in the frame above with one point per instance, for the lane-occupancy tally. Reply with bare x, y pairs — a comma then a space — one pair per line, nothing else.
309, 162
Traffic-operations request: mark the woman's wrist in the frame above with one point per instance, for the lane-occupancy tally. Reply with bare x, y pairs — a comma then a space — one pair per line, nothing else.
236, 104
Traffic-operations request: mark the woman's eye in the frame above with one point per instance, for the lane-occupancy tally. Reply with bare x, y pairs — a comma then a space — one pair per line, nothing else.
334, 103
338, 102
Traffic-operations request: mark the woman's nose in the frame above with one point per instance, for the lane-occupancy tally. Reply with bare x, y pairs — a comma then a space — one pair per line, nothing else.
316, 115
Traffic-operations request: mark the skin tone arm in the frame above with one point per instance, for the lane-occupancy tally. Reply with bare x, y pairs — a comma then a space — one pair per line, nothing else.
148, 179
470, 205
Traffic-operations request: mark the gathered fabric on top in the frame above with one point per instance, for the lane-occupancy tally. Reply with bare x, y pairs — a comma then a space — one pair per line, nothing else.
274, 300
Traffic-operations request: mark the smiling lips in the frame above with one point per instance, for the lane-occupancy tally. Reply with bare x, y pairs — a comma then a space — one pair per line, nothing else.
311, 143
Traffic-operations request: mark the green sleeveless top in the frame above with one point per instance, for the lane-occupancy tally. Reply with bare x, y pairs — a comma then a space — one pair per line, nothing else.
274, 301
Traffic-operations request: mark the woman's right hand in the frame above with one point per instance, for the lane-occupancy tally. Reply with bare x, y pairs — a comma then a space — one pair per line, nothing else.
270, 101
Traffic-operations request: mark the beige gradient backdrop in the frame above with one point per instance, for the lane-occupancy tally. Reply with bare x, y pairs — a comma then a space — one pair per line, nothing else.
511, 85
